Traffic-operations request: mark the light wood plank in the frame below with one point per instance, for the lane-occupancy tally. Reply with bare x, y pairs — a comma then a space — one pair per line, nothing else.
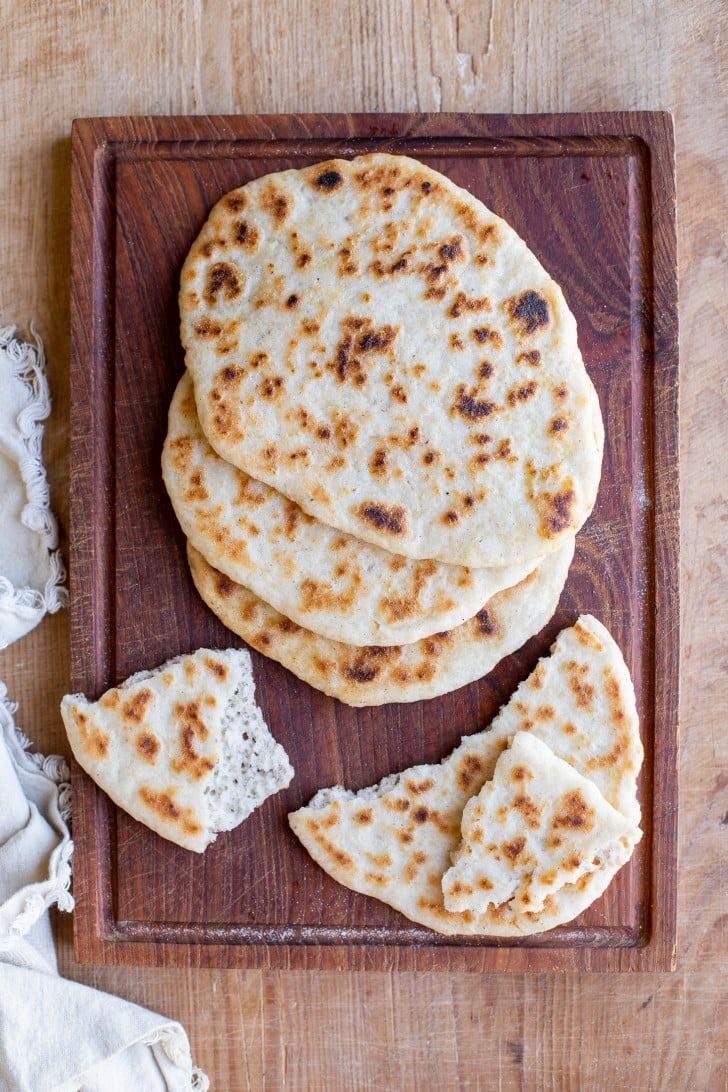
66, 58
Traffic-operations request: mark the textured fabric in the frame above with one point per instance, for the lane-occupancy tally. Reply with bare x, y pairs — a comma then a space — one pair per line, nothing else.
31, 570
54, 1034
35, 844
89, 1040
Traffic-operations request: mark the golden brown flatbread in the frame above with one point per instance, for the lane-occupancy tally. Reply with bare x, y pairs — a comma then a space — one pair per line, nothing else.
370, 340
537, 826
329, 582
395, 841
411, 672
183, 749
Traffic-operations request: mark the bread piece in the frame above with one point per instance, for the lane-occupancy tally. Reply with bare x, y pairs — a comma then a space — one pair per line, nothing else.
411, 672
329, 582
373, 342
395, 841
538, 825
184, 749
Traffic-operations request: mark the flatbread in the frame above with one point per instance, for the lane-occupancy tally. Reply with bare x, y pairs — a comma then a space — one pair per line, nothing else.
538, 825
183, 749
395, 841
375, 676
370, 340
329, 582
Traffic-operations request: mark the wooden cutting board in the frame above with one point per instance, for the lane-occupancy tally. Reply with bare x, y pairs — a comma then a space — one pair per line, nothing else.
593, 196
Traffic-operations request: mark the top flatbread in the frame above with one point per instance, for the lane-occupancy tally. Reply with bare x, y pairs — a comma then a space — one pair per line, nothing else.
395, 841
373, 342
183, 749
329, 582
538, 825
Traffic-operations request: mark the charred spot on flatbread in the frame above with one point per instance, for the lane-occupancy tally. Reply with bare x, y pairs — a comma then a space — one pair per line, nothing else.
575, 813
134, 708
147, 746
164, 807
224, 283
276, 203
94, 738
246, 235
391, 519
328, 180
191, 728
528, 312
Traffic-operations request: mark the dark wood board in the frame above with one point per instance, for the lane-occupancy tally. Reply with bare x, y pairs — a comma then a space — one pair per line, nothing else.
593, 195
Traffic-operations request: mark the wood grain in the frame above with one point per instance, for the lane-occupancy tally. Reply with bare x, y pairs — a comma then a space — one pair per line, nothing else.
367, 1031
594, 197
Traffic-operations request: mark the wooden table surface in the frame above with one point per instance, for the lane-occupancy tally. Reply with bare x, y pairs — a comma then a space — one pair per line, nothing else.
65, 58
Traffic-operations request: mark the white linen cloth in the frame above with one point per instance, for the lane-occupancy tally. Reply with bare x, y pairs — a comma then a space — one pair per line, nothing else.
56, 1034
31, 570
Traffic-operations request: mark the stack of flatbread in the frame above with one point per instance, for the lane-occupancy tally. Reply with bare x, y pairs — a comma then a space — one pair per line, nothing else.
385, 440
522, 827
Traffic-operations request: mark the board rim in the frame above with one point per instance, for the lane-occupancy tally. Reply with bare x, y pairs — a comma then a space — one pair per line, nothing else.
95, 144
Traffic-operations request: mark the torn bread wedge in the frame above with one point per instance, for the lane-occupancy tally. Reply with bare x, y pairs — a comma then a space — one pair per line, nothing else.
183, 749
538, 825
395, 841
